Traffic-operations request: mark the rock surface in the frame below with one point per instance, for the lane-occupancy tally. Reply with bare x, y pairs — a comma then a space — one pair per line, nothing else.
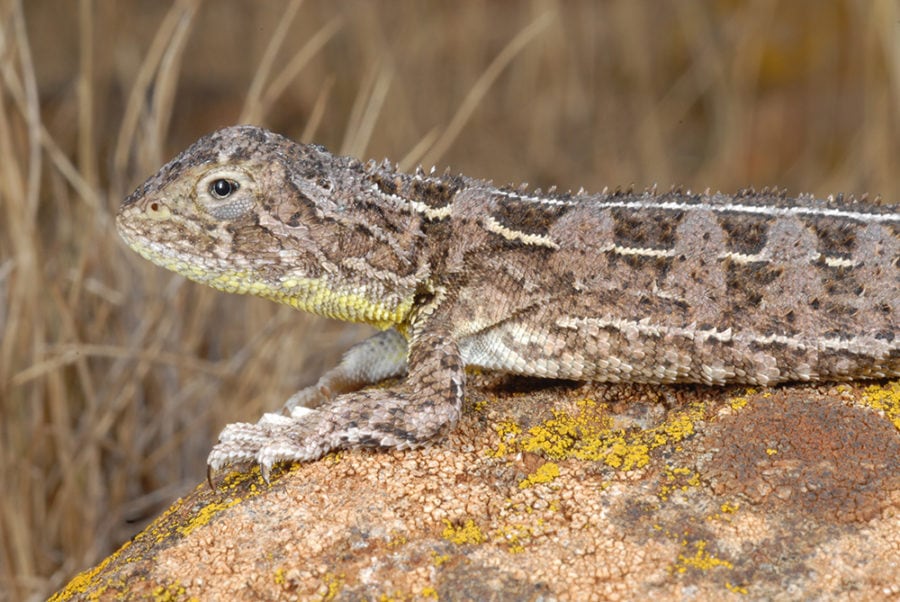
588, 492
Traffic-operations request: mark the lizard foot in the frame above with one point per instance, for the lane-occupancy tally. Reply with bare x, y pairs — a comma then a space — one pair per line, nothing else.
380, 418
275, 438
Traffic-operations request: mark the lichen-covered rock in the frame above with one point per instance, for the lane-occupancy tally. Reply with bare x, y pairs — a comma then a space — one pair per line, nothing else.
569, 492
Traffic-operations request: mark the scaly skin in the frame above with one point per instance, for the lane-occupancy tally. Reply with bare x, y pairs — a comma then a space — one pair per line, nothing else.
750, 288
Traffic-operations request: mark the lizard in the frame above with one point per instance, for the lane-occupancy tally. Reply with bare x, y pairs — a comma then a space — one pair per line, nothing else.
621, 286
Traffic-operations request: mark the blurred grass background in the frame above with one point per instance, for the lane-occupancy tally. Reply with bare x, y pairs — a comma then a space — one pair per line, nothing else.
115, 376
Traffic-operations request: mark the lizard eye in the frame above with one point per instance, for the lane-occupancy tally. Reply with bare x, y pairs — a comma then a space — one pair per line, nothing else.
222, 188
225, 192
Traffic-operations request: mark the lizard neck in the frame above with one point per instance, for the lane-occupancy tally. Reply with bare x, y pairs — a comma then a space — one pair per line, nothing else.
360, 253
369, 305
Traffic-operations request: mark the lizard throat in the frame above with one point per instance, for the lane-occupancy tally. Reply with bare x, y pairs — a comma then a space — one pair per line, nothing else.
313, 295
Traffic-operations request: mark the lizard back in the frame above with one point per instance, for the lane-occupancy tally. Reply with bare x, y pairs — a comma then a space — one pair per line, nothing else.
712, 288
623, 286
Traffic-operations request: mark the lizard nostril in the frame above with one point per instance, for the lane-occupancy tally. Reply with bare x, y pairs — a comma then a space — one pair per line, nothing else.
154, 206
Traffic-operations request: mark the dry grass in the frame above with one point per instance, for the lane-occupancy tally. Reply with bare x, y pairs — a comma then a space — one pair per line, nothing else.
115, 377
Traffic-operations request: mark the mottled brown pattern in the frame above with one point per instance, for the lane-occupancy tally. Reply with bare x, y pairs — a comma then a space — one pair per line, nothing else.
755, 288
635, 230
530, 218
745, 234
433, 193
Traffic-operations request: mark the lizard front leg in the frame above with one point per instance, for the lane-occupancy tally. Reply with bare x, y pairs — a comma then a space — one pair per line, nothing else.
426, 405
378, 358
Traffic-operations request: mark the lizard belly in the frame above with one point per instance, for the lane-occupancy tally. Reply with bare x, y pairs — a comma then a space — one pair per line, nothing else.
620, 350
586, 352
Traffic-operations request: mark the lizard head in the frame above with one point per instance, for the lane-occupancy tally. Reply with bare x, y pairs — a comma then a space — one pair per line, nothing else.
246, 210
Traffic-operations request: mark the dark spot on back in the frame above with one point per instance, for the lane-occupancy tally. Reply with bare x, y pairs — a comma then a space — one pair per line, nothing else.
745, 234
636, 230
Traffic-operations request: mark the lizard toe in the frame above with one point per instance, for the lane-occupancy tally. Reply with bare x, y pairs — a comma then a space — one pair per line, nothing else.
245, 434
281, 449
229, 454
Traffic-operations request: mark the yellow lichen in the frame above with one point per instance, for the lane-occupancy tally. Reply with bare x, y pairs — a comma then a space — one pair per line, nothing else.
885, 398
558, 436
206, 514
725, 510
171, 593
514, 536
679, 427
230, 483
588, 435
737, 589
626, 455
332, 585
507, 431
84, 580
545, 474
678, 478
700, 560
333, 457
159, 531
396, 540
739, 402
280, 576
429, 592
467, 533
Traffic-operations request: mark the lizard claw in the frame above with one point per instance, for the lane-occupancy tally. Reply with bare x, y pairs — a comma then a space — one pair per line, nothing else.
275, 438
265, 470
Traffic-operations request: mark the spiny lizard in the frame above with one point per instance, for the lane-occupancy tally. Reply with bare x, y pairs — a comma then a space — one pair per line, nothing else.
618, 286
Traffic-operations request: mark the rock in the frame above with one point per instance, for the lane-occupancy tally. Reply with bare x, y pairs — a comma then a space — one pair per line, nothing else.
562, 492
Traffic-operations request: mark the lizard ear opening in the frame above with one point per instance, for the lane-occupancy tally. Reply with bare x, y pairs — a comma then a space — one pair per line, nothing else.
225, 193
